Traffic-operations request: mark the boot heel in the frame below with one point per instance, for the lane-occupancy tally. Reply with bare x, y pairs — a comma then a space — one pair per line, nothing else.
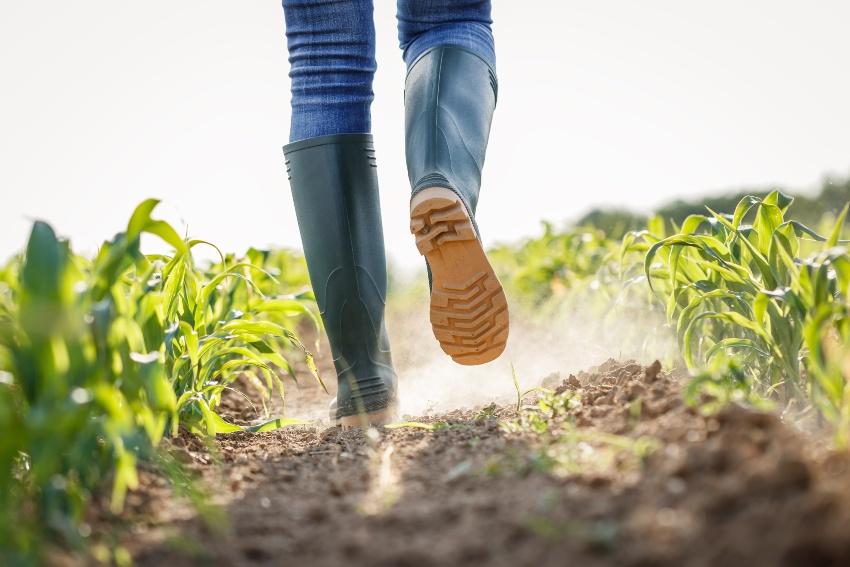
437, 218
469, 310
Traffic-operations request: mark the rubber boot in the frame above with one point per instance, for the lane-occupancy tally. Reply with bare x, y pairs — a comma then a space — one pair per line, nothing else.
449, 99
335, 189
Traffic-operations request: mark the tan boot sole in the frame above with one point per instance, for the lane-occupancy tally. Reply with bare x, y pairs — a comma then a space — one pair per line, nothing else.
382, 417
469, 310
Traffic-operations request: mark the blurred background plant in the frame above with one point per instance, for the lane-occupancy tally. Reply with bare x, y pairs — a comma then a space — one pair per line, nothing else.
583, 280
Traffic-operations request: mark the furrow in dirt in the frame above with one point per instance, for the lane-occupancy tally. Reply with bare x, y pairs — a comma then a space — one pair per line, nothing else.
736, 488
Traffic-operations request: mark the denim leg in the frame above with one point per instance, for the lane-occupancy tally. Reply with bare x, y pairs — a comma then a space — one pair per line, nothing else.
423, 24
332, 63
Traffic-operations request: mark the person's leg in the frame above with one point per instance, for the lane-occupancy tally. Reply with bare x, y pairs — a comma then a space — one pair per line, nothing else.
331, 47
425, 24
334, 183
450, 96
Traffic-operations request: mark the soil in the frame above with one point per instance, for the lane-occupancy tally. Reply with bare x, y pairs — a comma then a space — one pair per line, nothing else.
736, 488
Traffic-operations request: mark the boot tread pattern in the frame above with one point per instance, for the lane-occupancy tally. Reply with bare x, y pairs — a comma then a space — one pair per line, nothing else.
442, 220
469, 311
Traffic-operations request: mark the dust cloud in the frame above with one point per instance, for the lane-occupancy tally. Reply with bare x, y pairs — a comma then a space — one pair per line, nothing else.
573, 338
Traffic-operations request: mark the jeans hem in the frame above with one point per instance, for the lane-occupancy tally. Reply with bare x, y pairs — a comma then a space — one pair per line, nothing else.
297, 145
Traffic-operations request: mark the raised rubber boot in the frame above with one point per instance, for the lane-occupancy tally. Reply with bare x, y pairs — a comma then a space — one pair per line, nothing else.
335, 189
449, 99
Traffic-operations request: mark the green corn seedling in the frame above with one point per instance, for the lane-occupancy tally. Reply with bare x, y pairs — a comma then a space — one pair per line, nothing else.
101, 358
742, 289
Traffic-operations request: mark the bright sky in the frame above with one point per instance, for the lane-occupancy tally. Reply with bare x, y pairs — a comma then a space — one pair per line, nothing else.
104, 103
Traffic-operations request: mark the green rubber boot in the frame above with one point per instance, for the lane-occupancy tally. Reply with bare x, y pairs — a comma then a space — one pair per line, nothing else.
335, 189
449, 99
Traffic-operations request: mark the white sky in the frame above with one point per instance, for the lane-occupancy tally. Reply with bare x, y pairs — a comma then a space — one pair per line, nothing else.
106, 102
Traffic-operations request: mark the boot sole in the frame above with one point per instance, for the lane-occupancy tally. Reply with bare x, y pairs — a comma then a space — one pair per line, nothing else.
382, 417
469, 310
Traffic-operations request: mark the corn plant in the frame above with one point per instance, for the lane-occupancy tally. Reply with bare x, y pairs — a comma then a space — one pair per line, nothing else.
741, 289
100, 358
827, 339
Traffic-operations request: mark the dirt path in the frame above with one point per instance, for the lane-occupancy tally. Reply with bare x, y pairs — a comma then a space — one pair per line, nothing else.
739, 488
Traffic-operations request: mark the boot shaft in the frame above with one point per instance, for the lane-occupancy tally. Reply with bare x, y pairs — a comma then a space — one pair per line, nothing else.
335, 192
450, 95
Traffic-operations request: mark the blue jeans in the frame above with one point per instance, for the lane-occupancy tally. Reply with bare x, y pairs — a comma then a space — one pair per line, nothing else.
332, 54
